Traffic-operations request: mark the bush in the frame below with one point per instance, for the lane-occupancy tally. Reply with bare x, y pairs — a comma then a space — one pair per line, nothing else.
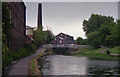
6, 56
22, 52
15, 56
30, 48
19, 54
9, 56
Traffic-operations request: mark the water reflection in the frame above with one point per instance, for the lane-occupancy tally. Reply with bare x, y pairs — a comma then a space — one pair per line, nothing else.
70, 65
101, 67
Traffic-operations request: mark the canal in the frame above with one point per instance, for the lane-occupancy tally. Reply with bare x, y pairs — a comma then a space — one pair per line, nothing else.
71, 65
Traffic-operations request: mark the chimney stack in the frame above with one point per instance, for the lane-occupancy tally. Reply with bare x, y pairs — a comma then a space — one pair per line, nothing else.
39, 15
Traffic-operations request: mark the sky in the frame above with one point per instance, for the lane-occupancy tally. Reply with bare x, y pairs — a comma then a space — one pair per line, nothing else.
119, 10
67, 17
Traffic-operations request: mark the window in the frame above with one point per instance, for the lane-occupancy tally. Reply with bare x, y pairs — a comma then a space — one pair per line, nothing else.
60, 41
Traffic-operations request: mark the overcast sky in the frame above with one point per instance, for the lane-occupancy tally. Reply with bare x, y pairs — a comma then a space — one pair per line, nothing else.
67, 17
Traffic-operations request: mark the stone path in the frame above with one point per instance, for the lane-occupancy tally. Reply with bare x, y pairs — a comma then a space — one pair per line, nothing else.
21, 66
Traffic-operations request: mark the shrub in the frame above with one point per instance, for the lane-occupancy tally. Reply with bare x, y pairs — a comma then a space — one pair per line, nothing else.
9, 56
6, 56
22, 52
30, 48
15, 56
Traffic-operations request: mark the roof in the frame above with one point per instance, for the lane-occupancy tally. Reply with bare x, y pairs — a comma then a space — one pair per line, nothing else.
29, 27
64, 34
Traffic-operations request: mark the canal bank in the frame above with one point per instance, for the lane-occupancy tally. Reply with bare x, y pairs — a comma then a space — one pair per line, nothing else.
98, 54
41, 61
36, 63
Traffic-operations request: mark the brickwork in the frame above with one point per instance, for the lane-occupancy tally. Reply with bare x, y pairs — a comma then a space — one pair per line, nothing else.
17, 37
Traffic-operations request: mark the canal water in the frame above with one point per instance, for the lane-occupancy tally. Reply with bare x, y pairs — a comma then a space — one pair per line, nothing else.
71, 65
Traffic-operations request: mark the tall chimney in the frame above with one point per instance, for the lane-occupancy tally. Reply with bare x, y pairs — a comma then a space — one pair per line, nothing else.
39, 14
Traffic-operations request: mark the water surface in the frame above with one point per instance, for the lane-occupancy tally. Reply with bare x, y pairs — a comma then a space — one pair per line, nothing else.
71, 65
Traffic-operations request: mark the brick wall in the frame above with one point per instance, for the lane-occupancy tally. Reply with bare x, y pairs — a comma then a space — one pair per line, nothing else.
18, 19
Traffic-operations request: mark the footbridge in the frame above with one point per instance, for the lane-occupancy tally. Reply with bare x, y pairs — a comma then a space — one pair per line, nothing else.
65, 46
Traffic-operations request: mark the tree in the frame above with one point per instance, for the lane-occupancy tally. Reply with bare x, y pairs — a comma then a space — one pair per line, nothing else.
94, 39
80, 41
95, 22
48, 36
106, 34
98, 30
39, 36
115, 33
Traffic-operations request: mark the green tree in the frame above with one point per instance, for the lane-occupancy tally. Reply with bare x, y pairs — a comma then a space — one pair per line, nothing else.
39, 36
48, 36
115, 33
81, 41
95, 22
106, 34
98, 30
42, 37
94, 39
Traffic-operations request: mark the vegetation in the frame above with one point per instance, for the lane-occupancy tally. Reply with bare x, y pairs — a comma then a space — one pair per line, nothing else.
8, 56
93, 53
49, 37
33, 64
42, 37
115, 50
101, 31
39, 36
6, 22
39, 59
81, 41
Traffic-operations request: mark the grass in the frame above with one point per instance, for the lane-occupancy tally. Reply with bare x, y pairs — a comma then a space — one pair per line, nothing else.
32, 65
93, 53
115, 50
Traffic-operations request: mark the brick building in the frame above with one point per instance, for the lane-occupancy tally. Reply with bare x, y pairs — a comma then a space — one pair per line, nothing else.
17, 34
63, 39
